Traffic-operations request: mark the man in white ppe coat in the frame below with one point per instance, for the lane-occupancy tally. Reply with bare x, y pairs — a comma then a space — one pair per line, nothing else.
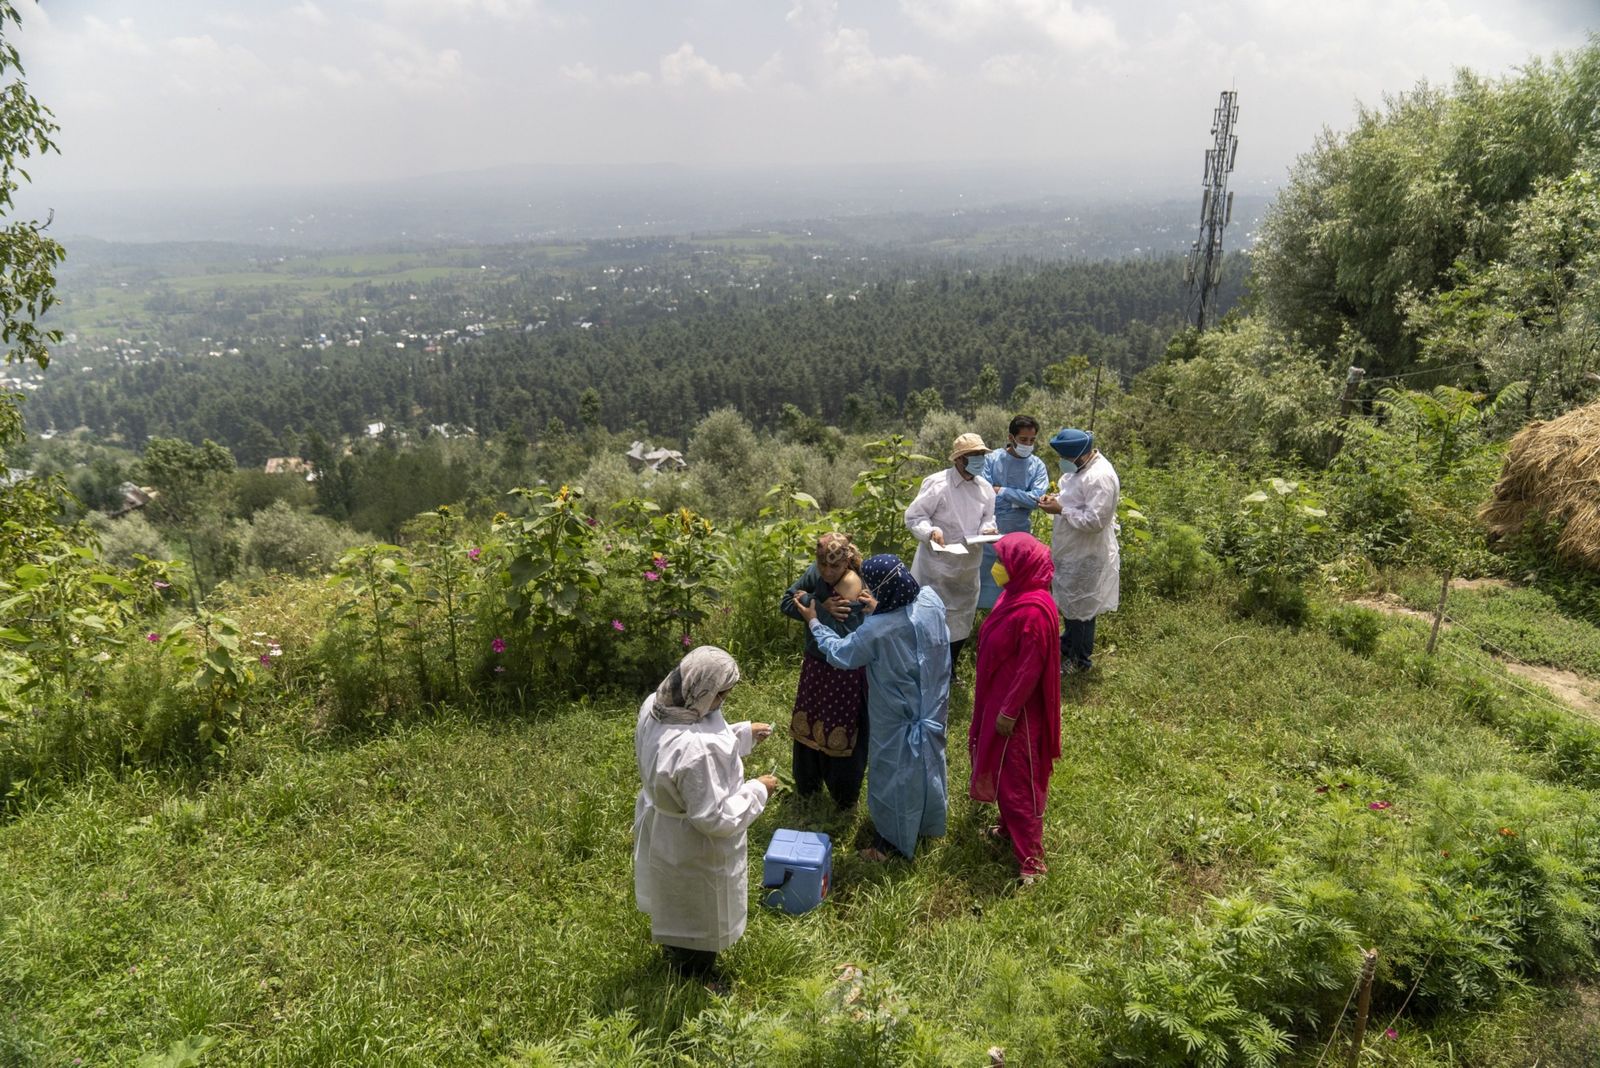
1083, 543
953, 505
689, 866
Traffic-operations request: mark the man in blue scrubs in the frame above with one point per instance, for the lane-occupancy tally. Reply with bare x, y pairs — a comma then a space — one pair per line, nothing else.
1019, 478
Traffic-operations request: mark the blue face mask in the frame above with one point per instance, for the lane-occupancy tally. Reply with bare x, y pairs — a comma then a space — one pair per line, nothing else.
1022, 450
1069, 467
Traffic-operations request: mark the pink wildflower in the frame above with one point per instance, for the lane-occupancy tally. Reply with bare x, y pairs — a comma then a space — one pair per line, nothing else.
1379, 806
686, 641
616, 625
498, 645
152, 637
1390, 1033
499, 669
651, 576
266, 659
163, 585
592, 521
474, 552
660, 562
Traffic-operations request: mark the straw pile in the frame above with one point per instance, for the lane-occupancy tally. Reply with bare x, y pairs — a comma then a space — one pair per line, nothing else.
1552, 470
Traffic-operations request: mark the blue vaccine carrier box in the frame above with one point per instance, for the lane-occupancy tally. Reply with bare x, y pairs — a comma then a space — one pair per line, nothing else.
796, 871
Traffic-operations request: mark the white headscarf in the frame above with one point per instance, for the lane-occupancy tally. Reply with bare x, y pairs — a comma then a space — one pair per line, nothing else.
685, 696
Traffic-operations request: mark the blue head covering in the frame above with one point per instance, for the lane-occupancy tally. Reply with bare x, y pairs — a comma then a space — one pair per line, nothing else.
890, 581
1071, 443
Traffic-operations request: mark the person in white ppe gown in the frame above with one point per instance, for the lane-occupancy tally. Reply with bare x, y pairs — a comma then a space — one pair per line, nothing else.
953, 505
694, 807
1083, 543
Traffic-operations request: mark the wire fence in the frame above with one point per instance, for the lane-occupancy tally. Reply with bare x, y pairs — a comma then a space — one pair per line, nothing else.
1495, 652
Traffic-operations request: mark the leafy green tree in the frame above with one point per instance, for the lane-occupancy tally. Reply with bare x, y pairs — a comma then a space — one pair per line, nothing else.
193, 485
1388, 208
1534, 315
27, 257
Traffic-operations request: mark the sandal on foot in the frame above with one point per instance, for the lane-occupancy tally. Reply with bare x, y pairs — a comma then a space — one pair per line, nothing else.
994, 834
874, 854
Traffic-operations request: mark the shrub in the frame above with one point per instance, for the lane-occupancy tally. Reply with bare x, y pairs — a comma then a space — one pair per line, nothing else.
1176, 562
123, 540
1273, 599
279, 538
610, 480
1355, 628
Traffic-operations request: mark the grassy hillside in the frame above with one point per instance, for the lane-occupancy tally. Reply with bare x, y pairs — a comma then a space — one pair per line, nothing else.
1239, 808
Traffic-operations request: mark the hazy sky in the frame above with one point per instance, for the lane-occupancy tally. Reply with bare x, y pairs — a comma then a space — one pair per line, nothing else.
204, 93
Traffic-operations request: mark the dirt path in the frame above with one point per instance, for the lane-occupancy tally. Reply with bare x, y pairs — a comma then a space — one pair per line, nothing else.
1578, 692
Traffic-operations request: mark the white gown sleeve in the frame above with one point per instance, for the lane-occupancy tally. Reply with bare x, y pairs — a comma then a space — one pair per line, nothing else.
1098, 510
919, 513
746, 738
726, 816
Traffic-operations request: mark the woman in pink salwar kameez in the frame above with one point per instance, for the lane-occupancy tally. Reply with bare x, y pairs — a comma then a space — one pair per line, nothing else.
1015, 735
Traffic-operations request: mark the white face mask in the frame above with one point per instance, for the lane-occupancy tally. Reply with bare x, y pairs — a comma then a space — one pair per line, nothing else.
1021, 450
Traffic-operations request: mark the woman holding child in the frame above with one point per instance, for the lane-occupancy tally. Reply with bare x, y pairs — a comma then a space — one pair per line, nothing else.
829, 723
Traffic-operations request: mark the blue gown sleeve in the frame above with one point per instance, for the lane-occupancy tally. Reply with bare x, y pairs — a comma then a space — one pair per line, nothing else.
849, 652
1039, 483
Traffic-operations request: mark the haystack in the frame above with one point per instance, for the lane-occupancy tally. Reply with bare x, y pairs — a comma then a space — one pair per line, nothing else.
1552, 470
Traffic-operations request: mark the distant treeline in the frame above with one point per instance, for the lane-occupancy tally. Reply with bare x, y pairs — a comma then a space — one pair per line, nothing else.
852, 358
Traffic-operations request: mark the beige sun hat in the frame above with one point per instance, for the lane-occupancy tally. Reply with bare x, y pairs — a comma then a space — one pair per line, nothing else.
966, 445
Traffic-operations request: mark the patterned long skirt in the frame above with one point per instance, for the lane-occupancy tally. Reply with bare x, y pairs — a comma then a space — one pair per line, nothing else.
829, 707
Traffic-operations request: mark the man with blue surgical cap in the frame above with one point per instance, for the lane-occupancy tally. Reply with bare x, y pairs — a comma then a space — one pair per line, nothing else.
1083, 543
1019, 479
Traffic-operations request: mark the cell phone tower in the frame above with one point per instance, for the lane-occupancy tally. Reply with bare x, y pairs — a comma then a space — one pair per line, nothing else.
1203, 270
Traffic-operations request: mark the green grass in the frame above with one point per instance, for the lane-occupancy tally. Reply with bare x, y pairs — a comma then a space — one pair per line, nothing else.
461, 891
1521, 621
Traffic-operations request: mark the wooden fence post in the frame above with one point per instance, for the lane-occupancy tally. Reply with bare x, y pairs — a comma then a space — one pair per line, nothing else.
1369, 966
1438, 616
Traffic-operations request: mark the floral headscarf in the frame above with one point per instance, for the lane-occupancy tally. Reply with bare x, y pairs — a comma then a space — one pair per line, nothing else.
685, 696
890, 580
834, 549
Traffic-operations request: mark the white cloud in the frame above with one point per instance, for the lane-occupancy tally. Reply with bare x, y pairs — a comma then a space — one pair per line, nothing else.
502, 10
416, 70
1069, 25
585, 75
813, 14
851, 61
338, 77
685, 67
581, 73
1012, 70
310, 12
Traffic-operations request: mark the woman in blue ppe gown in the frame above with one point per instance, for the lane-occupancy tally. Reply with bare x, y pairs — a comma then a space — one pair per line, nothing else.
904, 644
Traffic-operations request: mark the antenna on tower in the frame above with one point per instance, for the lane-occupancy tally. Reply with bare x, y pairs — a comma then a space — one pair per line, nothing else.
1203, 270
